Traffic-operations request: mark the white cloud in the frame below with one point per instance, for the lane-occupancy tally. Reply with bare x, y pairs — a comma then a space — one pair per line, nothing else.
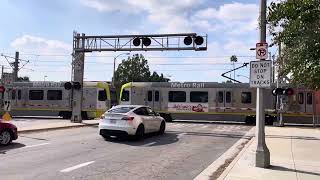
234, 19
39, 45
229, 12
49, 50
170, 16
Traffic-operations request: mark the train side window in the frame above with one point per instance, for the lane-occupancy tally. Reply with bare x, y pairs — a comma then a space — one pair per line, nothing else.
246, 97
149, 95
102, 95
220, 97
309, 98
19, 94
228, 97
199, 96
156, 96
300, 98
54, 95
177, 96
35, 94
13, 94
125, 96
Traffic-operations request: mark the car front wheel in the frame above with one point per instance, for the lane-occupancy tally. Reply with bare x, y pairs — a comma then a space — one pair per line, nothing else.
140, 132
5, 137
162, 128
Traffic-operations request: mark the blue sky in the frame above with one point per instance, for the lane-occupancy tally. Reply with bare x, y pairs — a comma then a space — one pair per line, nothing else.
42, 32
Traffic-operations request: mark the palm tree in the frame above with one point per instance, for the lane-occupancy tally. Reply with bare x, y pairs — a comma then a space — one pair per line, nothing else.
233, 59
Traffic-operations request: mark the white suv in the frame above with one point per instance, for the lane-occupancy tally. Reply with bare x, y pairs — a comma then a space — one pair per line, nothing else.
126, 120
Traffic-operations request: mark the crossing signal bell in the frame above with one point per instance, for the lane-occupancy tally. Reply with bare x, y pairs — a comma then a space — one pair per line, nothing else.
282, 91
74, 85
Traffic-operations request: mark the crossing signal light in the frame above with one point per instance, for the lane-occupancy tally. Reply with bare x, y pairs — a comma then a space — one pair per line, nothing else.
146, 41
2, 89
198, 40
67, 85
76, 85
288, 91
187, 40
136, 41
282, 91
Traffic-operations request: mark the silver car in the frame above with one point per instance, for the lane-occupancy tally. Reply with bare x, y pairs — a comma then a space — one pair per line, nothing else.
134, 120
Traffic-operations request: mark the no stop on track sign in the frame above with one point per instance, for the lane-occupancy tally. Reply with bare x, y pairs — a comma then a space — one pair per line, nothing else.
260, 74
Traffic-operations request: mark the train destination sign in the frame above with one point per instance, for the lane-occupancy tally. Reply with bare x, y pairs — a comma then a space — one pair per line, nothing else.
260, 74
187, 85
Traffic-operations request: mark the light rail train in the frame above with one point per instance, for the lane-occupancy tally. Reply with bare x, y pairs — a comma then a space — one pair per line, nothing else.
52, 99
216, 101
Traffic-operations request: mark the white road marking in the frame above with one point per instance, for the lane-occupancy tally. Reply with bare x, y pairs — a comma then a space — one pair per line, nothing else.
204, 126
180, 135
36, 145
76, 167
149, 144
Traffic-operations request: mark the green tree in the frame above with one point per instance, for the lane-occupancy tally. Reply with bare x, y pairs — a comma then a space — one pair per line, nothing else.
25, 78
296, 24
136, 69
233, 59
156, 78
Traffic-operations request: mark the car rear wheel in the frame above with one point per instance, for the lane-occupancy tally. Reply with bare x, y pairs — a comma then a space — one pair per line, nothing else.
162, 128
140, 132
5, 137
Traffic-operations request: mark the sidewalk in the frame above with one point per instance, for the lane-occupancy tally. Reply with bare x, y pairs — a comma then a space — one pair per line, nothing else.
25, 125
294, 154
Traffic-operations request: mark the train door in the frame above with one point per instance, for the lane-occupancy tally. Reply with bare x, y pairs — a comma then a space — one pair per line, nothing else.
220, 100
309, 102
157, 100
224, 100
153, 99
301, 98
228, 100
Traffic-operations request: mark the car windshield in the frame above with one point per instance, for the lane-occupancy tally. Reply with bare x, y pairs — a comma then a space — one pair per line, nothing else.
121, 110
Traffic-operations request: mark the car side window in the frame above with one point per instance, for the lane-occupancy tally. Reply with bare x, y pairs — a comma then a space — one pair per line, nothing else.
141, 112
150, 112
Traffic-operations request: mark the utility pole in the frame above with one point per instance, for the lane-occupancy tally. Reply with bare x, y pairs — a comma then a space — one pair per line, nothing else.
262, 154
279, 81
2, 75
16, 67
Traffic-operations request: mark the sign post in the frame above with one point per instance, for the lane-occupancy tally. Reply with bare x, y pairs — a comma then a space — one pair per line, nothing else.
262, 153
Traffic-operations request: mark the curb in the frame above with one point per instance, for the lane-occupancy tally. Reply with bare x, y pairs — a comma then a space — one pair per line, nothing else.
56, 128
230, 155
235, 160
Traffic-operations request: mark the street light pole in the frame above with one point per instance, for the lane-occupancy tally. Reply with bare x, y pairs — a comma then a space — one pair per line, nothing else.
262, 154
114, 66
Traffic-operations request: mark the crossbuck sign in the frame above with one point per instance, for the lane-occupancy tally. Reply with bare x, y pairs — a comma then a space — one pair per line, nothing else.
260, 74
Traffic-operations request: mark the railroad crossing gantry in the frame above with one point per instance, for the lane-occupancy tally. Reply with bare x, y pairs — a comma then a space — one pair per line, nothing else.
150, 42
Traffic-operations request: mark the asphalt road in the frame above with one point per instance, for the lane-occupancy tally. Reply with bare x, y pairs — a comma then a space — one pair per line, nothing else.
182, 152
